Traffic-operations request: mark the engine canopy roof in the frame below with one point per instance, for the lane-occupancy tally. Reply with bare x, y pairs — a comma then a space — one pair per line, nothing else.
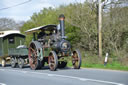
49, 27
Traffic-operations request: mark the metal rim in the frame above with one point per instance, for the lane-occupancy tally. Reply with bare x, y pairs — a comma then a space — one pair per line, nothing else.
76, 59
53, 61
13, 63
20, 63
33, 61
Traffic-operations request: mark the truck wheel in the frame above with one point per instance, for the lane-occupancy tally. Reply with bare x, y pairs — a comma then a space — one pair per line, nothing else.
76, 59
62, 64
3, 62
20, 62
53, 61
13, 62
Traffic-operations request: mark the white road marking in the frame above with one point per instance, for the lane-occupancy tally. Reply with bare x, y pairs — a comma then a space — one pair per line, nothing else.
64, 76
86, 79
2, 84
50, 75
83, 79
24, 71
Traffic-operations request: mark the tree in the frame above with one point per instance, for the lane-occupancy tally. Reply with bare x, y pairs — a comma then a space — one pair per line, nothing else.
81, 26
9, 24
115, 30
84, 17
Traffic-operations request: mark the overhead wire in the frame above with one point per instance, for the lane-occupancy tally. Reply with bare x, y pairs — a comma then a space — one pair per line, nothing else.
15, 5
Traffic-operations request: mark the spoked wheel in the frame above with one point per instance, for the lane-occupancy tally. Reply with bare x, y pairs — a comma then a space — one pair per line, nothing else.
62, 64
53, 61
20, 62
76, 59
33, 57
3, 62
13, 62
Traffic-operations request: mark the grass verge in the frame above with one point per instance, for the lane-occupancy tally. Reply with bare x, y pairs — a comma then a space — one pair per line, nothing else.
112, 66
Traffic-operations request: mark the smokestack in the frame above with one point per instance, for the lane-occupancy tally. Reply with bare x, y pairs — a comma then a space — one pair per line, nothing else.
62, 27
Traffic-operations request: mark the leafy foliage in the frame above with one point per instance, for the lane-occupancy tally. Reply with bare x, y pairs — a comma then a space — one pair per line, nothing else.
81, 26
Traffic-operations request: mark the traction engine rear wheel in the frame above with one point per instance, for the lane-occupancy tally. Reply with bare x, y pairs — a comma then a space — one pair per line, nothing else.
53, 61
33, 57
76, 59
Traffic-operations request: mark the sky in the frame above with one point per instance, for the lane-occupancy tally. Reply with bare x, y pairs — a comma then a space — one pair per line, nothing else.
25, 11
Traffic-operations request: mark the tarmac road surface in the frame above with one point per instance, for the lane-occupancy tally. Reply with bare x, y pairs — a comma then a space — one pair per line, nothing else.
66, 76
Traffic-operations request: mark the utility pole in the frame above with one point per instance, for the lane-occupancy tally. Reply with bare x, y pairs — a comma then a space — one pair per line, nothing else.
100, 27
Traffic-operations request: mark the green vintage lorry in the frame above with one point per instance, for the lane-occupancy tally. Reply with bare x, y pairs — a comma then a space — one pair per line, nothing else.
12, 48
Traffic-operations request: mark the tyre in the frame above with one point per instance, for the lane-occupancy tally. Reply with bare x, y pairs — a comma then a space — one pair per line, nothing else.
53, 61
13, 62
33, 56
20, 62
76, 59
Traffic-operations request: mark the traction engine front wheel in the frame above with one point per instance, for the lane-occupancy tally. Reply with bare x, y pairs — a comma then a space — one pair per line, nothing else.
76, 59
53, 61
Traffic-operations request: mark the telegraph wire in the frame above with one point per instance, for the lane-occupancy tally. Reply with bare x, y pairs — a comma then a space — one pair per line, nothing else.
15, 5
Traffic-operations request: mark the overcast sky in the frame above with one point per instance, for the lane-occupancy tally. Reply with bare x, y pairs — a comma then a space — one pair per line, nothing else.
24, 11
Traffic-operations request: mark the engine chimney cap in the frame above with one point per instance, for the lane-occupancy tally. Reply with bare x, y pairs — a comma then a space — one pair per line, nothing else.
61, 17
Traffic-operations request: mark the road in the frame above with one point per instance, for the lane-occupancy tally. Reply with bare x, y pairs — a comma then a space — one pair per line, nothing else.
67, 76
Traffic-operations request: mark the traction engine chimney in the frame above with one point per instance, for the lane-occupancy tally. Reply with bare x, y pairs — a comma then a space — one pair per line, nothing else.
62, 27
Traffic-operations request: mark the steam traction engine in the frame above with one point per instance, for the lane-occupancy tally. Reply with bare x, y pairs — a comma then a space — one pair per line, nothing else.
49, 45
